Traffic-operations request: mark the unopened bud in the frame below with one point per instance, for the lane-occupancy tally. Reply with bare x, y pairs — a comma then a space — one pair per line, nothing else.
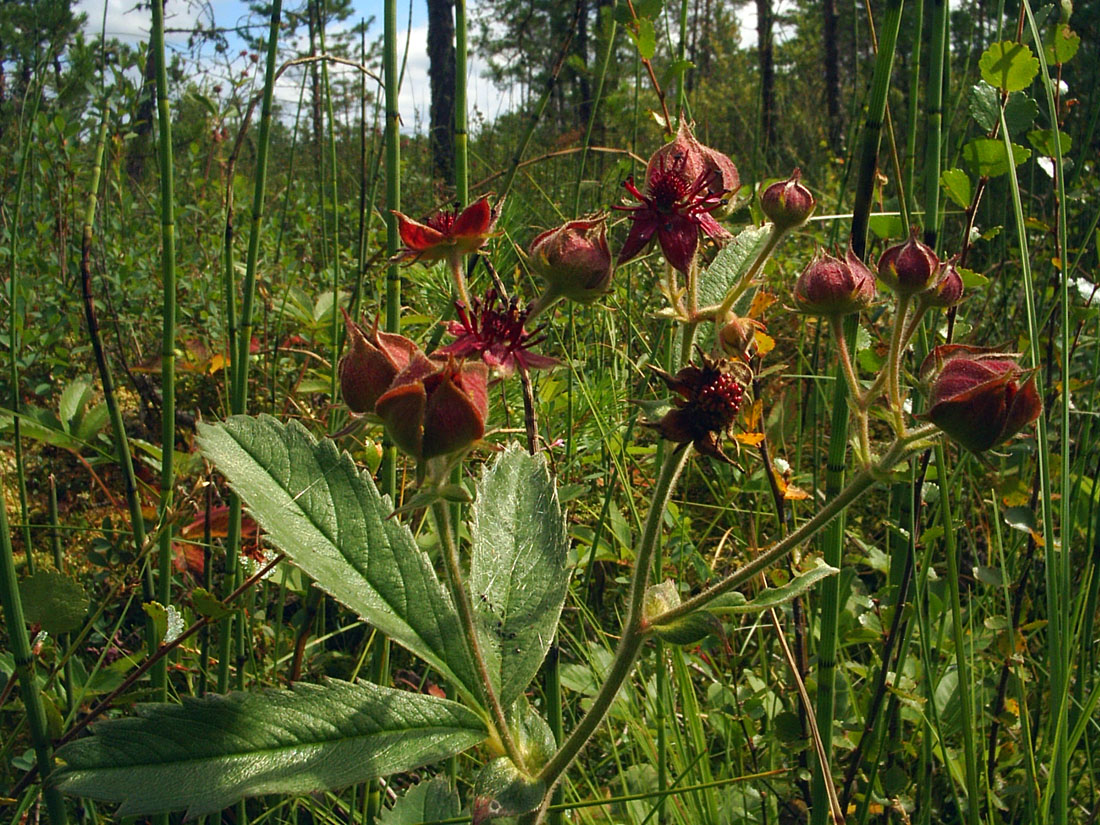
947, 290
788, 203
372, 362
574, 259
830, 286
910, 267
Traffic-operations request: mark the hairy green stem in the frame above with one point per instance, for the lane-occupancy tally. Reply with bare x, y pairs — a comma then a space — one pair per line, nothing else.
633, 632
441, 515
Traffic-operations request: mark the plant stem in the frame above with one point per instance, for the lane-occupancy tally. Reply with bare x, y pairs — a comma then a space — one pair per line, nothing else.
633, 633
962, 664
168, 336
24, 665
893, 362
746, 280
441, 515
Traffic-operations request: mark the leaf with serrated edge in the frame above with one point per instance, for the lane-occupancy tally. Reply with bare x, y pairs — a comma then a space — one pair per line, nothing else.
517, 572
207, 753
731, 263
427, 801
331, 521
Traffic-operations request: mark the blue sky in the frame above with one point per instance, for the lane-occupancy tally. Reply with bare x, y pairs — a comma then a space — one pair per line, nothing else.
128, 23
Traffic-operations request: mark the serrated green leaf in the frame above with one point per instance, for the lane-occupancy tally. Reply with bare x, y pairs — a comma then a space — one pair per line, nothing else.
644, 37
315, 505
983, 104
207, 753
1020, 112
735, 603
987, 158
518, 577
957, 186
731, 263
427, 801
1061, 45
1042, 140
207, 604
972, 279
54, 601
1008, 66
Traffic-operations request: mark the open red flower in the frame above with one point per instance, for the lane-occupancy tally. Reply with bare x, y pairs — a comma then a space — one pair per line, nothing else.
495, 332
674, 208
448, 233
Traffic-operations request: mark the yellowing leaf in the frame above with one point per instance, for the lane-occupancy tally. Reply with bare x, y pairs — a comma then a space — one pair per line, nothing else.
754, 414
792, 493
749, 439
760, 302
764, 342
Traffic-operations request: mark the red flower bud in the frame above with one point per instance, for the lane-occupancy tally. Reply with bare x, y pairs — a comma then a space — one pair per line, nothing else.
434, 407
737, 337
979, 397
696, 159
830, 286
788, 203
372, 361
574, 259
910, 267
947, 290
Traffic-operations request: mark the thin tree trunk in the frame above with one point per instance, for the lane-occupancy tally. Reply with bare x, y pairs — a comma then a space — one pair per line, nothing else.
584, 111
765, 48
138, 149
441, 73
832, 74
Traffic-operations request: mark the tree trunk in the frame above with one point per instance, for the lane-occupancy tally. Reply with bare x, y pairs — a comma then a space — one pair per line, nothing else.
314, 17
765, 48
139, 147
584, 111
441, 73
832, 74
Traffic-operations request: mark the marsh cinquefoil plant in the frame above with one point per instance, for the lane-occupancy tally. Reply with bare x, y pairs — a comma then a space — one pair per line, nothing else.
484, 620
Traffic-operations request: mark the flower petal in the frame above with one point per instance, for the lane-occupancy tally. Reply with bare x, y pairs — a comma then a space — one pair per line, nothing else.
418, 237
641, 233
679, 238
475, 220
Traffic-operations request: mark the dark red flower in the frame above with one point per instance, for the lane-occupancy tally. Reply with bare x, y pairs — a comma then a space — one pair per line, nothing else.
710, 398
674, 208
979, 397
447, 233
494, 332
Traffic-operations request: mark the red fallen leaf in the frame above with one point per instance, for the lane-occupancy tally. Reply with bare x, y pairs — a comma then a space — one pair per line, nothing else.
188, 554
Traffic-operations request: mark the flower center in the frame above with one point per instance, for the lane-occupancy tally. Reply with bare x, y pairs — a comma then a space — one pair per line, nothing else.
667, 188
443, 220
719, 400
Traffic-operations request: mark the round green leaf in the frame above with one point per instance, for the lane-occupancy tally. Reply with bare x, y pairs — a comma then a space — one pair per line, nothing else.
54, 601
987, 158
956, 185
1061, 45
1043, 142
1009, 66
